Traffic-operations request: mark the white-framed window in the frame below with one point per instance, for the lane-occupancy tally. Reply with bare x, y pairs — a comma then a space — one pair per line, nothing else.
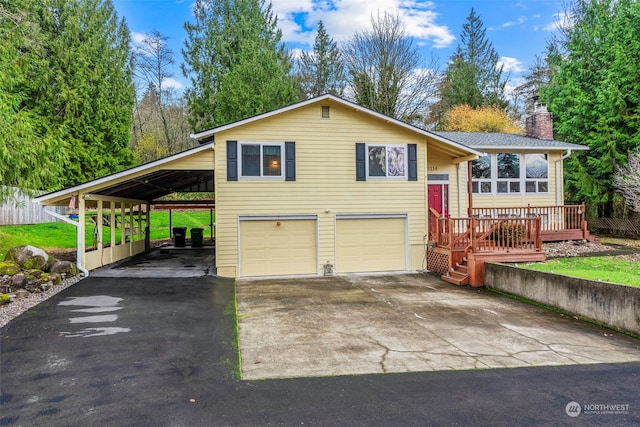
537, 173
387, 161
510, 173
261, 160
481, 175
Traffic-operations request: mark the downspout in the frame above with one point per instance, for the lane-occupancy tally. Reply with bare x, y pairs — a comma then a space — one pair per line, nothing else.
84, 271
558, 170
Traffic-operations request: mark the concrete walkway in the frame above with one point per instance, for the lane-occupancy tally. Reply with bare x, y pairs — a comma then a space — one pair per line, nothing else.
408, 323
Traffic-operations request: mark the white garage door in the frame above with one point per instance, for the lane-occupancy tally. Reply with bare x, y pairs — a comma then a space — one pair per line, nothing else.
278, 247
371, 244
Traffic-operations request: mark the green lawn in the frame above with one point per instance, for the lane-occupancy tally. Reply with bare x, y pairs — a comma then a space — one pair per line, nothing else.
605, 269
61, 235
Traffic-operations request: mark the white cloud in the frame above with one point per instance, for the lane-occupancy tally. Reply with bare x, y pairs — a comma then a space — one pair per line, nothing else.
342, 18
518, 21
171, 83
560, 20
137, 38
511, 64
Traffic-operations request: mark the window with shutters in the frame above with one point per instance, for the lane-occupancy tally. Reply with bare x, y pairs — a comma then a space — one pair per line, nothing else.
261, 160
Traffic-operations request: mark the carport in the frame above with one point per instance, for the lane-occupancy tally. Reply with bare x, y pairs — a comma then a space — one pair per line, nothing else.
122, 202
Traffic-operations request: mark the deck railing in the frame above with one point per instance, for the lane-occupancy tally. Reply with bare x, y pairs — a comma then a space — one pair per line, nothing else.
488, 234
552, 218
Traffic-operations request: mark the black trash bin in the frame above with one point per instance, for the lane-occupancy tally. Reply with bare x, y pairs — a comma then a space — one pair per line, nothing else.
179, 237
196, 237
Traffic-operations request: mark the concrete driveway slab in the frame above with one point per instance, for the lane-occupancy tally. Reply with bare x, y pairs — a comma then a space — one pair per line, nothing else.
406, 323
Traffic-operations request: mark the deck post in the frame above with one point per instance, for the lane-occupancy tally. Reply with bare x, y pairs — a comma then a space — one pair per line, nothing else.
469, 189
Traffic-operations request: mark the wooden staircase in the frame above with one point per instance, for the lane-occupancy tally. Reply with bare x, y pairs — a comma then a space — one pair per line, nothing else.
458, 275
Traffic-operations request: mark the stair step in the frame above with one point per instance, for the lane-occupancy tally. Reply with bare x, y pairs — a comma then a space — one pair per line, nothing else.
458, 274
455, 280
462, 268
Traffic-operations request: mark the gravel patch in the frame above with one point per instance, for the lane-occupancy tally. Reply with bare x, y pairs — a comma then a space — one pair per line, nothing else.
20, 305
574, 248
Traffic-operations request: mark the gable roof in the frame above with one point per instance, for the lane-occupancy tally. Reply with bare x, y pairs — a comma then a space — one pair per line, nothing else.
486, 141
208, 134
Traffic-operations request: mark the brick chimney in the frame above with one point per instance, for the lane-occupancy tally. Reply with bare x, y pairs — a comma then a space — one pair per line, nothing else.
540, 123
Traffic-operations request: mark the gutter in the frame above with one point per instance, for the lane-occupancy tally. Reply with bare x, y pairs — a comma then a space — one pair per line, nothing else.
558, 162
84, 271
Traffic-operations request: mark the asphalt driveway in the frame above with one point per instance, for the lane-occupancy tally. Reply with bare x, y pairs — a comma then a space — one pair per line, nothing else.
406, 323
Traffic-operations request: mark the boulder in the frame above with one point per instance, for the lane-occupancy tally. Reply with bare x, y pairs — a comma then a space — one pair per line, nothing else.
18, 280
9, 268
64, 267
29, 257
21, 293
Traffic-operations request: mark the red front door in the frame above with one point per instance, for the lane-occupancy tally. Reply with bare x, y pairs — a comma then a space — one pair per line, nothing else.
438, 198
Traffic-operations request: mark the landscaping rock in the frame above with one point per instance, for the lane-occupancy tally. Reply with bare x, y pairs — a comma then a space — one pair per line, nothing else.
64, 267
18, 280
22, 293
29, 257
9, 268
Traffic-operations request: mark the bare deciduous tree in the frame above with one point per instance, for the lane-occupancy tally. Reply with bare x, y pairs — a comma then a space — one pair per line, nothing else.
627, 181
160, 119
386, 71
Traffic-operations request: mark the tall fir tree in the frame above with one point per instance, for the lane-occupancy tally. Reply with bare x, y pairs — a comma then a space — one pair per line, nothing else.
236, 63
30, 152
595, 96
321, 70
473, 76
88, 92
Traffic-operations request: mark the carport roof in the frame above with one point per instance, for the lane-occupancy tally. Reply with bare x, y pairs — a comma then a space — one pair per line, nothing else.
146, 182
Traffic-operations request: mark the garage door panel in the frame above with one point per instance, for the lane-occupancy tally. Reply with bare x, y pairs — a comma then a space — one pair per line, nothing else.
278, 247
371, 244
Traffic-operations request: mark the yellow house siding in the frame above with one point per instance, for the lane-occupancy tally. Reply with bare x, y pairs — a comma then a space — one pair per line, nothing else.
199, 161
325, 178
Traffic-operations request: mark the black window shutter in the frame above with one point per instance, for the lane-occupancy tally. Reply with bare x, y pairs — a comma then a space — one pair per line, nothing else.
290, 160
232, 160
361, 171
413, 162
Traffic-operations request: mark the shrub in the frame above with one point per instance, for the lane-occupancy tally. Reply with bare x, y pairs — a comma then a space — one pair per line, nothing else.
509, 233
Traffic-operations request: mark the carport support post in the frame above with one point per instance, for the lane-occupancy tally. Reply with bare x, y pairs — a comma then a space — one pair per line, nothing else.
147, 227
80, 231
99, 244
170, 228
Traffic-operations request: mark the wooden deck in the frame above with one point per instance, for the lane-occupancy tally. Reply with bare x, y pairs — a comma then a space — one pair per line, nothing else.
459, 247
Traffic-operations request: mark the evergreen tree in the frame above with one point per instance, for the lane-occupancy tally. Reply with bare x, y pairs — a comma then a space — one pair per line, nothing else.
386, 72
322, 70
473, 76
30, 152
595, 96
237, 65
87, 93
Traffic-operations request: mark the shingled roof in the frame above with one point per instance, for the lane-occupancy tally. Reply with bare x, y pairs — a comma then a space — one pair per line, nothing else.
488, 141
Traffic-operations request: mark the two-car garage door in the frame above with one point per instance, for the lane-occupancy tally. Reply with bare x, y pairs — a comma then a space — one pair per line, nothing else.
283, 246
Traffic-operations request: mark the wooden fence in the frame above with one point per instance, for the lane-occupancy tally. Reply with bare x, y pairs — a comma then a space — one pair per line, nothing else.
23, 211
619, 227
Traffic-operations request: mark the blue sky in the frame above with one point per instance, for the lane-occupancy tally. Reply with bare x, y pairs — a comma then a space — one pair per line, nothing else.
518, 29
